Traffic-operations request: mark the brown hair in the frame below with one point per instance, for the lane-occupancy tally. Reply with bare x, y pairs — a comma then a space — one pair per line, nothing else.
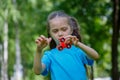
71, 21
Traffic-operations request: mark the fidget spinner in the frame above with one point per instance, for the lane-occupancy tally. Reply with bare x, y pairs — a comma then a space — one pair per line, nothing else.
63, 45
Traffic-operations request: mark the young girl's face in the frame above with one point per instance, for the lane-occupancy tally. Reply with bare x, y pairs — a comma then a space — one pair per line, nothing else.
59, 27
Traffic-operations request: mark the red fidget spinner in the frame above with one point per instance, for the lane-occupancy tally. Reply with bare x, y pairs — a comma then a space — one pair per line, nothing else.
63, 45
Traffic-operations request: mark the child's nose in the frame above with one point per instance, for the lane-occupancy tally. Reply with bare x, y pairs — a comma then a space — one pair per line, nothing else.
60, 33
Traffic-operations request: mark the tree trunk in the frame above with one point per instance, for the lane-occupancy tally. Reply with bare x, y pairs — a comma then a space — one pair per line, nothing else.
115, 36
1, 58
4, 67
18, 68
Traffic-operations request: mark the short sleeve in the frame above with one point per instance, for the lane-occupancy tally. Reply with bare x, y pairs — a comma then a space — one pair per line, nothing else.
86, 59
46, 61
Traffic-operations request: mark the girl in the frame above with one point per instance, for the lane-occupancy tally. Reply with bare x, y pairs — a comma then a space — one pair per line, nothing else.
66, 64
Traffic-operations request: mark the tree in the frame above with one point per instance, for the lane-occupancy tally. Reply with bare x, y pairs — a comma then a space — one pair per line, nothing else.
5, 55
115, 37
93, 16
18, 68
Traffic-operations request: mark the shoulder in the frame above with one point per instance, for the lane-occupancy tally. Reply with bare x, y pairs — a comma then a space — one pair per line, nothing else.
49, 52
75, 48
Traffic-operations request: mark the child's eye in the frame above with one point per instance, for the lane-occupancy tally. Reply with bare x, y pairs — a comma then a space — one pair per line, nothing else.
64, 29
55, 31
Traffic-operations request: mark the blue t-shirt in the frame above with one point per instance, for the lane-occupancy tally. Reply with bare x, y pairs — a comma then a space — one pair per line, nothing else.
67, 64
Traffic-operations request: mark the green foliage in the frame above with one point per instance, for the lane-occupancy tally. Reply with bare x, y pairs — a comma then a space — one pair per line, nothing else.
93, 16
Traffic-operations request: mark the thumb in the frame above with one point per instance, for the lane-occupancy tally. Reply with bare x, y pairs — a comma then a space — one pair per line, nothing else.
49, 40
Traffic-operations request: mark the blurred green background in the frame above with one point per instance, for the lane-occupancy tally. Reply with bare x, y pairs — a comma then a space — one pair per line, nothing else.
25, 20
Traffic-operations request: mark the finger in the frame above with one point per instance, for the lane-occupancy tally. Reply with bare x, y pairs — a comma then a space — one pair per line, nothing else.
76, 42
39, 39
74, 38
69, 36
71, 39
36, 41
68, 40
49, 40
43, 37
45, 40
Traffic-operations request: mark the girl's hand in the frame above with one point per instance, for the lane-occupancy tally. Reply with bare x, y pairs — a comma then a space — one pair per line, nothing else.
42, 42
71, 39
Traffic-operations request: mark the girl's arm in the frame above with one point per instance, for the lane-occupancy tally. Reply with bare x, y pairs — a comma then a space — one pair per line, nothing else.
89, 51
41, 42
38, 66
